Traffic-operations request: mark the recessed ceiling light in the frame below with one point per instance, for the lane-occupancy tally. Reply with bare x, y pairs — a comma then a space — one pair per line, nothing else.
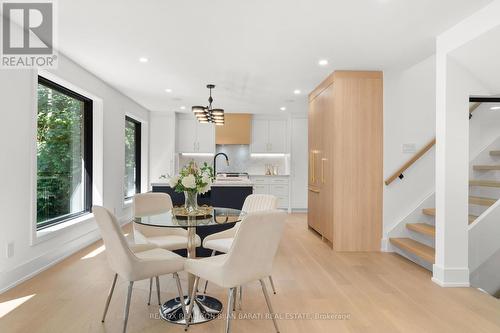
296, 92
283, 108
495, 108
323, 62
168, 90
143, 59
182, 107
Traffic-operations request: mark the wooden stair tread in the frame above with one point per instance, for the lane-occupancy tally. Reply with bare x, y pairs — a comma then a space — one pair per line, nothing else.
495, 153
486, 167
429, 211
481, 201
484, 182
422, 228
422, 251
472, 218
432, 212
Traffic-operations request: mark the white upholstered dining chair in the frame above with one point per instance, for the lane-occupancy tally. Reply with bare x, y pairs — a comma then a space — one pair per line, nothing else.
221, 241
250, 258
148, 204
142, 262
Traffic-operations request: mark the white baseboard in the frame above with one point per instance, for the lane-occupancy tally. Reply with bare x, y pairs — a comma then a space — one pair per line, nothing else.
385, 245
31, 268
450, 277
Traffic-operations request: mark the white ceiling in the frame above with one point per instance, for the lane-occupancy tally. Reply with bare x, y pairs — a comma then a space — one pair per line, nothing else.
256, 52
480, 57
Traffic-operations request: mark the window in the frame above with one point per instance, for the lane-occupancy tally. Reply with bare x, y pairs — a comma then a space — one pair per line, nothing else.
64, 154
132, 157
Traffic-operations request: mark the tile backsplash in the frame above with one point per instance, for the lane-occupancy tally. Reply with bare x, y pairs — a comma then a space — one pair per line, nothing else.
240, 160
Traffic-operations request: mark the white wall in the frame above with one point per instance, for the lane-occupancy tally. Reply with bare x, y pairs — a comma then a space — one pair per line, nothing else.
409, 117
17, 104
162, 145
454, 86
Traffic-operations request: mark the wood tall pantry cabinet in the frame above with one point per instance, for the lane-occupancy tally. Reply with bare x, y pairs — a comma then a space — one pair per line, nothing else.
346, 160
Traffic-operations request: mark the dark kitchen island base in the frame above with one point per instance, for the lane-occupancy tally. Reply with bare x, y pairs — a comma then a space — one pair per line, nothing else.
218, 196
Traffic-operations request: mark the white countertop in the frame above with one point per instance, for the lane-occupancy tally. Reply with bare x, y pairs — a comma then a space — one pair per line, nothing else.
218, 184
262, 175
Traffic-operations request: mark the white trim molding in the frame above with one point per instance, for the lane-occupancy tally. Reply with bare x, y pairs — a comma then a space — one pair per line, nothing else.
450, 276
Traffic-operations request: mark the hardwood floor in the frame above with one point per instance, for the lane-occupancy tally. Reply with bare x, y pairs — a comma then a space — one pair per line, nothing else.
378, 292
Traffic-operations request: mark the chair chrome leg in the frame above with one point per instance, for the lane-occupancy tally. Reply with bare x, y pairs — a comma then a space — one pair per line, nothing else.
109, 297
206, 282
192, 299
181, 299
158, 289
269, 306
235, 298
240, 302
150, 289
230, 300
272, 284
127, 306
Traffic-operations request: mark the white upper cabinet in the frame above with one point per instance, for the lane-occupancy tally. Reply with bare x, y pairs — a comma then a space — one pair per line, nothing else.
269, 136
205, 138
260, 136
193, 137
186, 135
277, 136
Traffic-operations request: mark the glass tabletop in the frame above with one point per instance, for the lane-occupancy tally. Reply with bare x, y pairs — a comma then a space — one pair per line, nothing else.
175, 219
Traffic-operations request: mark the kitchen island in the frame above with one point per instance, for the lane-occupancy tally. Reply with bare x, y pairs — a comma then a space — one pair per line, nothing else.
227, 194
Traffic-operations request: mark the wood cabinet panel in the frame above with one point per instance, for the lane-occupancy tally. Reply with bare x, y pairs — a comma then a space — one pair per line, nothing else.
345, 160
358, 173
236, 130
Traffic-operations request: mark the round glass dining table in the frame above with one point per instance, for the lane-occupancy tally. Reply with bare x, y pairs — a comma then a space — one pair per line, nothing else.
206, 307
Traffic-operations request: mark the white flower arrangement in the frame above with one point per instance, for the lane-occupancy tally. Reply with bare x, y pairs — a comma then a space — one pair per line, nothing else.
193, 179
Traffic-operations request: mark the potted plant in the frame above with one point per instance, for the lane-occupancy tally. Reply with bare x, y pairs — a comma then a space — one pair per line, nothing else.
193, 180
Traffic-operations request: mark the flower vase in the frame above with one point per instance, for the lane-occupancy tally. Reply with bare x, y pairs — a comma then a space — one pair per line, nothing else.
191, 201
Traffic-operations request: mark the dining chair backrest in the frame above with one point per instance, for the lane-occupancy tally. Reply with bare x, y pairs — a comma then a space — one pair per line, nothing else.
254, 247
259, 202
148, 204
119, 256
151, 203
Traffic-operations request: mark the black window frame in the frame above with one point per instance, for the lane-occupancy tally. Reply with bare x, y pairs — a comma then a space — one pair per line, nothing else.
87, 152
138, 153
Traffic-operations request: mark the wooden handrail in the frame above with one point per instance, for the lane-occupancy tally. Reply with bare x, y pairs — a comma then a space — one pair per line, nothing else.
399, 174
408, 164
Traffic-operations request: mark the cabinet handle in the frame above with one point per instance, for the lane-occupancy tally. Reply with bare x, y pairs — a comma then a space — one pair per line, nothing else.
313, 190
313, 167
323, 170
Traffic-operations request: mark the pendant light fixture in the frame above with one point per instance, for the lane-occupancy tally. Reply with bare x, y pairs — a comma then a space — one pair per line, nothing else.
206, 114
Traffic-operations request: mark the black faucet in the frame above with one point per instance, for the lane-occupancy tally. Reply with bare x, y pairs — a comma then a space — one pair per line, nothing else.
215, 162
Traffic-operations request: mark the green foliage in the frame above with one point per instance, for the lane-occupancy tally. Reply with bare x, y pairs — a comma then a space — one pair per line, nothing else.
129, 159
59, 152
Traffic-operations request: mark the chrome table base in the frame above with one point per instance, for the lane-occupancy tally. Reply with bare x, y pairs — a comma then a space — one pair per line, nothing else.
205, 308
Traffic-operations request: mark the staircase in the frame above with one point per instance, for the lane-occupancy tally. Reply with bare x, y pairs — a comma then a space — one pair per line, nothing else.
414, 236
425, 231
